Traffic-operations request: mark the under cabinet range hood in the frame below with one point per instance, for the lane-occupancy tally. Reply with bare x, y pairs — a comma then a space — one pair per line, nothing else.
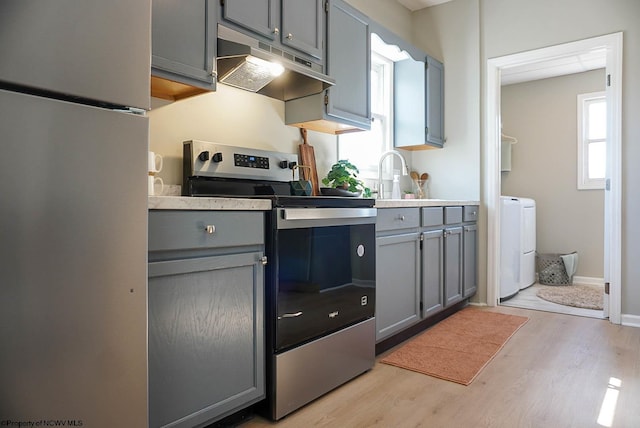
246, 63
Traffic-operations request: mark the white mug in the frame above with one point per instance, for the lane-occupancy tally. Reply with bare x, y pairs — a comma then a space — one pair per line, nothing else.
155, 163
152, 185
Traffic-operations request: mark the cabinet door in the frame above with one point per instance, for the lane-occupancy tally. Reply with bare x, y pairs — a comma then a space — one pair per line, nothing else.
470, 262
349, 63
434, 100
453, 265
206, 345
397, 283
409, 109
257, 16
184, 41
303, 26
432, 272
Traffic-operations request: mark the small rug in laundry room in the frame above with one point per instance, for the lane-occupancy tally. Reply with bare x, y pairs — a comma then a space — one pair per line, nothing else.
459, 347
576, 295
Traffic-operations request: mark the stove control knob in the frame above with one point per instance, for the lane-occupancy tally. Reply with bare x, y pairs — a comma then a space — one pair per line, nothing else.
284, 164
292, 165
203, 156
217, 157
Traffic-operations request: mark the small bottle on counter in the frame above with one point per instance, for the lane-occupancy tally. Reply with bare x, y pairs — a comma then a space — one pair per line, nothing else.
395, 190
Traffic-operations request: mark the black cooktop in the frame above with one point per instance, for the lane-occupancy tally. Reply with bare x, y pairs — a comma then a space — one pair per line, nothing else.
278, 192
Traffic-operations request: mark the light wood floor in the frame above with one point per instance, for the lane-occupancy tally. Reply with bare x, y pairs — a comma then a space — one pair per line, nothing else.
554, 372
527, 299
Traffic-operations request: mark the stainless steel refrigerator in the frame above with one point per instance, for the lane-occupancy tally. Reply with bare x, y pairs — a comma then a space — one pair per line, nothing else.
73, 212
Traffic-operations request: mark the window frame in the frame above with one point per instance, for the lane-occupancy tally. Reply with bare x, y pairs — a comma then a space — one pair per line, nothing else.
370, 172
584, 182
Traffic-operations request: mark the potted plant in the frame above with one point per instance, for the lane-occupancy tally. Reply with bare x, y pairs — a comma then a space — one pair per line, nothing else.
344, 175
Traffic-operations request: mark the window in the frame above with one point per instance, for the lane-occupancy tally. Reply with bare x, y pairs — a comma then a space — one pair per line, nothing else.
363, 149
592, 140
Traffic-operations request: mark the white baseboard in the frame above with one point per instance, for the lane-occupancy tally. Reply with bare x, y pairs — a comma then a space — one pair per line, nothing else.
630, 320
477, 304
588, 280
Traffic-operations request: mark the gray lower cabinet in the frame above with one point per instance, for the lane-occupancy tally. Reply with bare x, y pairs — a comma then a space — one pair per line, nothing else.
206, 321
426, 261
452, 265
470, 251
432, 272
447, 259
397, 270
183, 44
347, 105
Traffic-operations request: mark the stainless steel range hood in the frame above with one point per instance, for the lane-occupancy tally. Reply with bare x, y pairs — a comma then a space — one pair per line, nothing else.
247, 63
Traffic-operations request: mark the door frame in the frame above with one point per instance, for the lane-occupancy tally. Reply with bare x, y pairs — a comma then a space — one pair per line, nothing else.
611, 44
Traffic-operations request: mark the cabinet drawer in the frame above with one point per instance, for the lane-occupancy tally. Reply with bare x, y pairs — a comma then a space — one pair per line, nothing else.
470, 213
397, 218
452, 215
432, 216
174, 230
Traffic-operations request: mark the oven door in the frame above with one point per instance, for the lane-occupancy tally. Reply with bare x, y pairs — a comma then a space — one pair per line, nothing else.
325, 260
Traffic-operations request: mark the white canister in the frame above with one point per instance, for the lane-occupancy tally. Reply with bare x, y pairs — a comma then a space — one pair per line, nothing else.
152, 185
155, 163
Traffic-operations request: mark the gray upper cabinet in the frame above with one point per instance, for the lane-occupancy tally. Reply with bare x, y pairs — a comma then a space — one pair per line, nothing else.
258, 16
419, 121
409, 109
434, 103
297, 24
347, 105
303, 26
183, 48
349, 62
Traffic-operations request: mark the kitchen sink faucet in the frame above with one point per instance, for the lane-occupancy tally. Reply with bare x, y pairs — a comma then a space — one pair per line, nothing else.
405, 170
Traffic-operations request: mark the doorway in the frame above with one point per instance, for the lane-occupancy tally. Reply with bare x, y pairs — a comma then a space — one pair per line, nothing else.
610, 47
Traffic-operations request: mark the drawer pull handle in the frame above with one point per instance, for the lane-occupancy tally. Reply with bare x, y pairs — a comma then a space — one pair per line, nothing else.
474, 213
293, 315
210, 229
401, 218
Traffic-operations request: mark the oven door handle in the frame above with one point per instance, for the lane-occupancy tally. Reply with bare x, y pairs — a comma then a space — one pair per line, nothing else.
327, 213
293, 315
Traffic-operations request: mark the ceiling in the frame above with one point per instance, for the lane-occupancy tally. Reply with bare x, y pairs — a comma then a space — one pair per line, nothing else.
414, 5
554, 67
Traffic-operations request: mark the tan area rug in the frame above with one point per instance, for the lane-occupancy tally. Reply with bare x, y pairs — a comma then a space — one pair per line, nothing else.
578, 296
459, 347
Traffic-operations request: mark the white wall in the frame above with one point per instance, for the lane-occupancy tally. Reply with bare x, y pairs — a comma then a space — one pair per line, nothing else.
450, 33
511, 26
504, 27
542, 115
228, 116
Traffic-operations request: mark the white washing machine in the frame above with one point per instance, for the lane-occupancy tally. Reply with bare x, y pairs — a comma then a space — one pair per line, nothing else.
510, 246
528, 256
517, 245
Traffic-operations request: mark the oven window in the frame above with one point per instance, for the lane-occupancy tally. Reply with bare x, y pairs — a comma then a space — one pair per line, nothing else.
326, 280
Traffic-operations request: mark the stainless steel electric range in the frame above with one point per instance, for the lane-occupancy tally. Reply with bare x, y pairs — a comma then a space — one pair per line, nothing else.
320, 275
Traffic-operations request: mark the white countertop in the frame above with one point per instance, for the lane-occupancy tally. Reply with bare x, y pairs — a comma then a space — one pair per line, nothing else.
191, 203
407, 203
241, 204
